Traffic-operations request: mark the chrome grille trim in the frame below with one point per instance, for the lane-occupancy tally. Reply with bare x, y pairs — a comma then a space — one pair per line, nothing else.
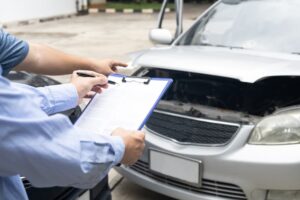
197, 118
209, 187
200, 120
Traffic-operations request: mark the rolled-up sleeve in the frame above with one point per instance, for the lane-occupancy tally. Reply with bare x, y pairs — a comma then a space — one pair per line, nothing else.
49, 150
59, 98
52, 99
12, 51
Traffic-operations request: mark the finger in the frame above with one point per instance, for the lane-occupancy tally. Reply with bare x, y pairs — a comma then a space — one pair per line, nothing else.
114, 69
141, 135
74, 74
102, 86
119, 64
90, 94
97, 89
99, 80
131, 162
88, 72
94, 79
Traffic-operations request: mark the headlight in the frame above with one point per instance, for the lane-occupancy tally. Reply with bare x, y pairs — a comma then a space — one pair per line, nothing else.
278, 129
283, 195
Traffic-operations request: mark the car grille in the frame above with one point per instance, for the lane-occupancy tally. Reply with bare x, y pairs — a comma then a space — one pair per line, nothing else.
209, 187
191, 130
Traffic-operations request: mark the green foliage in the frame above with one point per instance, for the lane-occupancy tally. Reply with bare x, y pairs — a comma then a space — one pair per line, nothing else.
137, 6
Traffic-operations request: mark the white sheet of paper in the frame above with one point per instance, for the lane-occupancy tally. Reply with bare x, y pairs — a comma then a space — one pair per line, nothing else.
123, 105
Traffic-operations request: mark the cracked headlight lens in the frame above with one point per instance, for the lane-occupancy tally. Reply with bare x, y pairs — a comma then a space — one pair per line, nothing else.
280, 129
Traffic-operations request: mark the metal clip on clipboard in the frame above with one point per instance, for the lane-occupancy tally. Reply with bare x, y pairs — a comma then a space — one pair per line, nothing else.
145, 80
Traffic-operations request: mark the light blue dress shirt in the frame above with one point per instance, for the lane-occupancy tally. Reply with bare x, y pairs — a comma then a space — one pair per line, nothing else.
47, 150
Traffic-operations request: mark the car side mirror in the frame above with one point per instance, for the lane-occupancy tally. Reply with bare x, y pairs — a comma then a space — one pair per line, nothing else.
160, 36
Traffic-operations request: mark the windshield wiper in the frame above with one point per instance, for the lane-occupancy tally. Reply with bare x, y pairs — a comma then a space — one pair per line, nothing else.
220, 45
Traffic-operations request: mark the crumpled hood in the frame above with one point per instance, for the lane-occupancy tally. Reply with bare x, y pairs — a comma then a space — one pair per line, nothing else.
244, 65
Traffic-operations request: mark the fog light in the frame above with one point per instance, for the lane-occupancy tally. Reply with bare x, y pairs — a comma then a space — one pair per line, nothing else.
283, 195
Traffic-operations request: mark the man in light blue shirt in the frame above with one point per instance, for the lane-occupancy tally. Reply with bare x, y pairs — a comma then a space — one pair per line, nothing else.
49, 150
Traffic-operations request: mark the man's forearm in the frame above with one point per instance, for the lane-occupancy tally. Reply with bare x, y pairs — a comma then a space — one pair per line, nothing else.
42, 59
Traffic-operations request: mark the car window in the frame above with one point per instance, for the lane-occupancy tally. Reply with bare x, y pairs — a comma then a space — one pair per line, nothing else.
270, 25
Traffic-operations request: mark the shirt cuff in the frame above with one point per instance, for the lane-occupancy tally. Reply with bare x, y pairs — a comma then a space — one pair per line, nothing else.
119, 148
63, 97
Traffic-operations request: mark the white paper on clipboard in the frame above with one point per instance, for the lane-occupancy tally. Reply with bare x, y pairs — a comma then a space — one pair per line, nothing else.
125, 104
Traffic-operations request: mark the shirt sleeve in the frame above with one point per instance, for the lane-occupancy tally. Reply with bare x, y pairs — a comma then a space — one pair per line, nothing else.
12, 51
49, 150
52, 99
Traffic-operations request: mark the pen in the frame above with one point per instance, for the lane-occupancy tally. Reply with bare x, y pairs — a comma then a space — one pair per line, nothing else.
92, 76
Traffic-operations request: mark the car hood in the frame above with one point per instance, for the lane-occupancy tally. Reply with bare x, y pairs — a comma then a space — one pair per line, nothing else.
244, 65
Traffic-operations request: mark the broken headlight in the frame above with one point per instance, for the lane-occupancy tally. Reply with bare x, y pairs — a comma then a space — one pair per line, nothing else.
280, 129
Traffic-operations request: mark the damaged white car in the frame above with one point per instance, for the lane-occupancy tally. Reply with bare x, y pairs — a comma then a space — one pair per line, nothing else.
229, 126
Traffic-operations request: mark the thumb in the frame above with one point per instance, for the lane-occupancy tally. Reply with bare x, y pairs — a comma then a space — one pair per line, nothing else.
90, 94
141, 135
99, 80
119, 64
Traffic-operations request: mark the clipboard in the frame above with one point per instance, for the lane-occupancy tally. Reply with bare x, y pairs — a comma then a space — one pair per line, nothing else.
127, 104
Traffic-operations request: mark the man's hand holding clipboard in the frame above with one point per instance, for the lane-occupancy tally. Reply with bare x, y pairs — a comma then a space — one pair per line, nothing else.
134, 144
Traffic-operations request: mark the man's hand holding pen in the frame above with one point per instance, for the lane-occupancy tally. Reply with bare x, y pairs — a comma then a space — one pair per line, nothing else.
86, 86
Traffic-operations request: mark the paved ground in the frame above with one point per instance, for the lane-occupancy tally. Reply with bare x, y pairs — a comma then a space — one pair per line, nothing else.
105, 36
130, 191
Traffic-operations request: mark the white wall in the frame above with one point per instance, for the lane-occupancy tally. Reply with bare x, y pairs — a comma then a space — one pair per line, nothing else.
19, 10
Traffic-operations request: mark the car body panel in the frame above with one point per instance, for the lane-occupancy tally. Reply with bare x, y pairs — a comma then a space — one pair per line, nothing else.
255, 168
224, 62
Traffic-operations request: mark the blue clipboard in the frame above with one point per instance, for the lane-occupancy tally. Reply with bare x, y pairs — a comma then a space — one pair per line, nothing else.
126, 81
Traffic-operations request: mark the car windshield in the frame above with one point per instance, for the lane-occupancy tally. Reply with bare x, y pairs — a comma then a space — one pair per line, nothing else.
268, 25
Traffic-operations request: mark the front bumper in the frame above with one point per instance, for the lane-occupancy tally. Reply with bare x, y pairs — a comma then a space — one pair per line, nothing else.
234, 171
